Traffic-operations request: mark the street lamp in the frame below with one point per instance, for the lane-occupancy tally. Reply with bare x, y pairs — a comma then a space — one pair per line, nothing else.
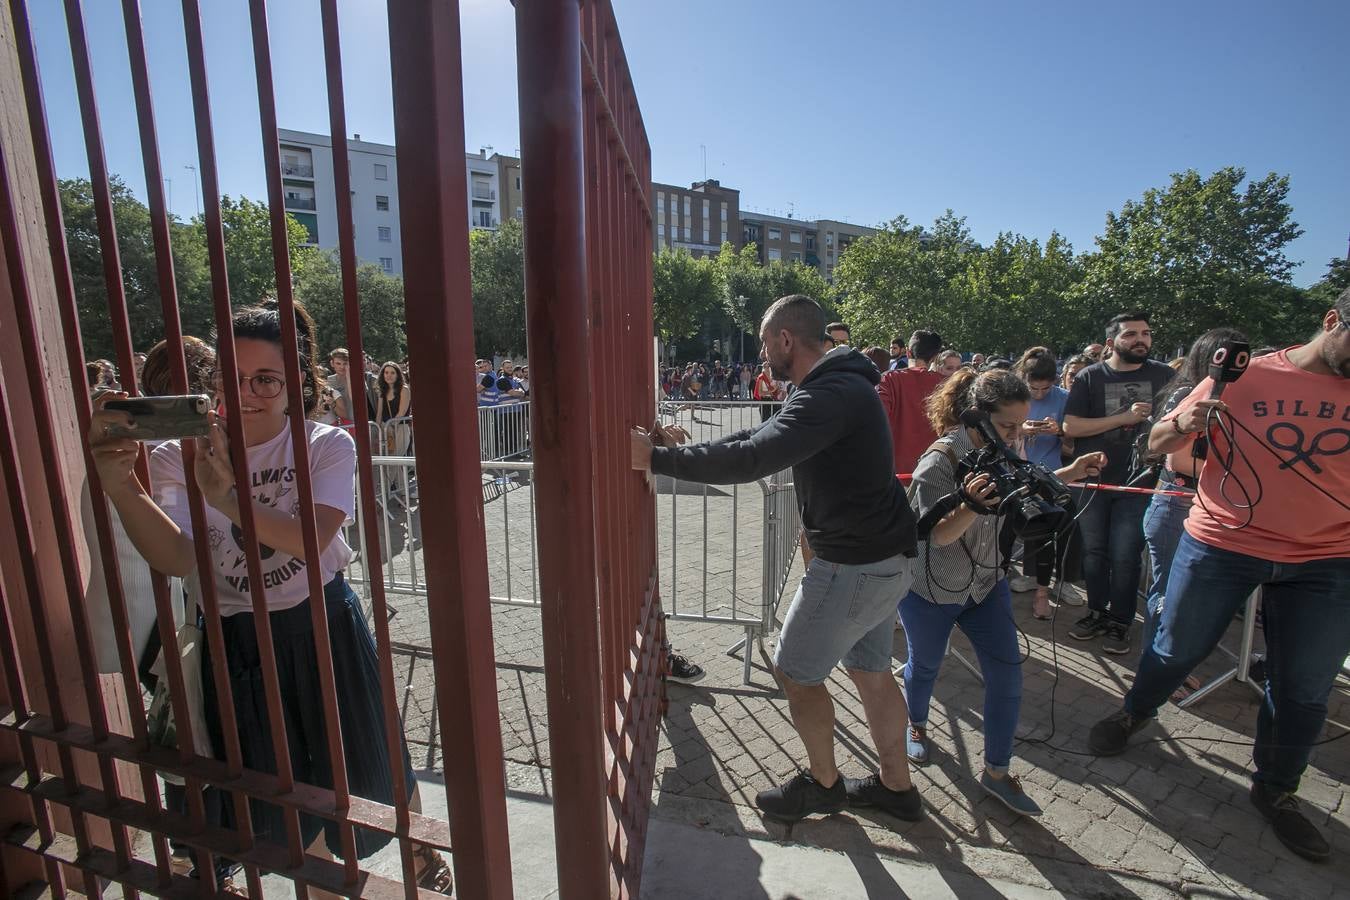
740, 305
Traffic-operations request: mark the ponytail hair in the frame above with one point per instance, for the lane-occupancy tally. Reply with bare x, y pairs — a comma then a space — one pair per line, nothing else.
964, 389
1037, 364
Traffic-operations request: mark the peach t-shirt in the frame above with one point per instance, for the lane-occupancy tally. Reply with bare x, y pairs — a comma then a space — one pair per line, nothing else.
1305, 418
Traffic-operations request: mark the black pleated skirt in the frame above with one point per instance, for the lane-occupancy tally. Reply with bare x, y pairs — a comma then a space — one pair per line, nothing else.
360, 711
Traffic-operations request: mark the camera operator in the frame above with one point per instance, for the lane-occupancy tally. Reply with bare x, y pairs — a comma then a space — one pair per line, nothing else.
960, 576
1293, 543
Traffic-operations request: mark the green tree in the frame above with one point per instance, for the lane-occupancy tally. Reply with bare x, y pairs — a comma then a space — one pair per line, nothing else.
685, 293
318, 284
135, 247
1324, 293
497, 268
1198, 253
248, 253
247, 226
904, 277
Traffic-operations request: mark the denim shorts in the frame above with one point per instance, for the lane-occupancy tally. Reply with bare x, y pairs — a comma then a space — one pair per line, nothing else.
844, 613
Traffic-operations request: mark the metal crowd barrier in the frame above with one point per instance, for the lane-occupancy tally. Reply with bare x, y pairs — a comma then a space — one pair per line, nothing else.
696, 587
504, 430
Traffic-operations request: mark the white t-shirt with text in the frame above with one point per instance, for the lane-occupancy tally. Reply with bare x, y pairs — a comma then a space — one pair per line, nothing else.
332, 456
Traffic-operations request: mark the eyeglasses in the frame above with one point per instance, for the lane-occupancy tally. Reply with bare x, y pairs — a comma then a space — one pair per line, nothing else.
264, 386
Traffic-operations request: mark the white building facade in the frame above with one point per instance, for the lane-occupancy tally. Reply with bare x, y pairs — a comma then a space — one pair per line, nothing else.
311, 197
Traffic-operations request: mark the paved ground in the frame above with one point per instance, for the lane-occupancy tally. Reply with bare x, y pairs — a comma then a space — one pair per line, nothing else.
1170, 818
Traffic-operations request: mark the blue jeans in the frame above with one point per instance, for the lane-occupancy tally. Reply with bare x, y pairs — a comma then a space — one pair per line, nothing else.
1306, 609
989, 625
1164, 524
1113, 545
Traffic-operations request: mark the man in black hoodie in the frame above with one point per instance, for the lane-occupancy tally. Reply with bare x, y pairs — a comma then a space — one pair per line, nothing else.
832, 431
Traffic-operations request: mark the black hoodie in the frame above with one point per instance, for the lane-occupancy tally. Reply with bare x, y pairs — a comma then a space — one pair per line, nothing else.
834, 434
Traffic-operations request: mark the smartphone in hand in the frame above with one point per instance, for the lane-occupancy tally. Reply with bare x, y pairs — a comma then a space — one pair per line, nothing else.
162, 418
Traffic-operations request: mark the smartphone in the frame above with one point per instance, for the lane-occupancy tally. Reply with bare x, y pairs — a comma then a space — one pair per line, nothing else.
162, 418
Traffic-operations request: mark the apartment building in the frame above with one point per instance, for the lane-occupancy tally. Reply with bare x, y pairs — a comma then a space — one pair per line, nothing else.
699, 218
818, 244
307, 181
508, 179
310, 195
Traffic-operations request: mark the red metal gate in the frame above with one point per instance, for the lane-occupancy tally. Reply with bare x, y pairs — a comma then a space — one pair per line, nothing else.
78, 774
588, 287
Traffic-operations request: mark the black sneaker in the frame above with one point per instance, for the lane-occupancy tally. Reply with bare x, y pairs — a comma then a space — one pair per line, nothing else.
1116, 639
1090, 626
800, 797
870, 792
1291, 826
1109, 736
682, 670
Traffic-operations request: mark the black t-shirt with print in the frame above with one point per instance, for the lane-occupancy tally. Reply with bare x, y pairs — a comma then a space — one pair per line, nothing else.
1100, 391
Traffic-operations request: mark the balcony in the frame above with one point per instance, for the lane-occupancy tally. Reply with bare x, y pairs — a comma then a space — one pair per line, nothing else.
297, 170
300, 203
484, 193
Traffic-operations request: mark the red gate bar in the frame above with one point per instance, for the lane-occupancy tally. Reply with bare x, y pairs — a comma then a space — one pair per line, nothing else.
548, 54
262, 60
23, 515
373, 561
117, 311
173, 335
229, 369
424, 42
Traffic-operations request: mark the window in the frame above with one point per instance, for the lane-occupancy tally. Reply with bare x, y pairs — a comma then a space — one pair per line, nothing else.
810, 242
794, 237
387, 263
382, 203
661, 229
381, 172
707, 234
517, 182
520, 212
724, 231
686, 232
386, 233
661, 200
775, 253
686, 207
796, 256
775, 234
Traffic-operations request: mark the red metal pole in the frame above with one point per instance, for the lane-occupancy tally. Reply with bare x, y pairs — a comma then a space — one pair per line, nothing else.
424, 41
548, 51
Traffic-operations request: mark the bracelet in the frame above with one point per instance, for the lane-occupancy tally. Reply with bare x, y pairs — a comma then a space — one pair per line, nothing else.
1177, 428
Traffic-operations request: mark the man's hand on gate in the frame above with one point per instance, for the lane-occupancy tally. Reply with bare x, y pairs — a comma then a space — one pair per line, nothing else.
642, 450
668, 435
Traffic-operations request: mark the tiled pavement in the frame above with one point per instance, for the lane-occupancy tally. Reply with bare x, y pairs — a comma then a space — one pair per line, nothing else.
1165, 819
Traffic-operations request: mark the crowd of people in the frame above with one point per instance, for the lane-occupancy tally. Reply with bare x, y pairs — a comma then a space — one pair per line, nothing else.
1233, 488
900, 517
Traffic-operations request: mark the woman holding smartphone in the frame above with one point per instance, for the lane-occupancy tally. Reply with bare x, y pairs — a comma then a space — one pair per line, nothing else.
161, 528
1042, 444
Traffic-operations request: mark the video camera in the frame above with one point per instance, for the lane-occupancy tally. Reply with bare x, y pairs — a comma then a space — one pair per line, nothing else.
1035, 501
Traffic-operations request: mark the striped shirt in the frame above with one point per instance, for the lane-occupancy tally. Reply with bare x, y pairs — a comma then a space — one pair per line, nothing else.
967, 567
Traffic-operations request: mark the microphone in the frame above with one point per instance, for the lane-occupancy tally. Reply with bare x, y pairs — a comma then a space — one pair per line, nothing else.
1227, 365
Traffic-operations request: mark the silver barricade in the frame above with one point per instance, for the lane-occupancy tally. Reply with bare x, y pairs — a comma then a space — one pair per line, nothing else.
717, 529
706, 521
504, 430
509, 521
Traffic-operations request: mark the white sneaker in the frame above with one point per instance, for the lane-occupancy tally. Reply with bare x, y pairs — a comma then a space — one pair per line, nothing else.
1021, 583
1066, 593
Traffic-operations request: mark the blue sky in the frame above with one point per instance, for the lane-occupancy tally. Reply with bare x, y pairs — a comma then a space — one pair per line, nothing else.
1022, 116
